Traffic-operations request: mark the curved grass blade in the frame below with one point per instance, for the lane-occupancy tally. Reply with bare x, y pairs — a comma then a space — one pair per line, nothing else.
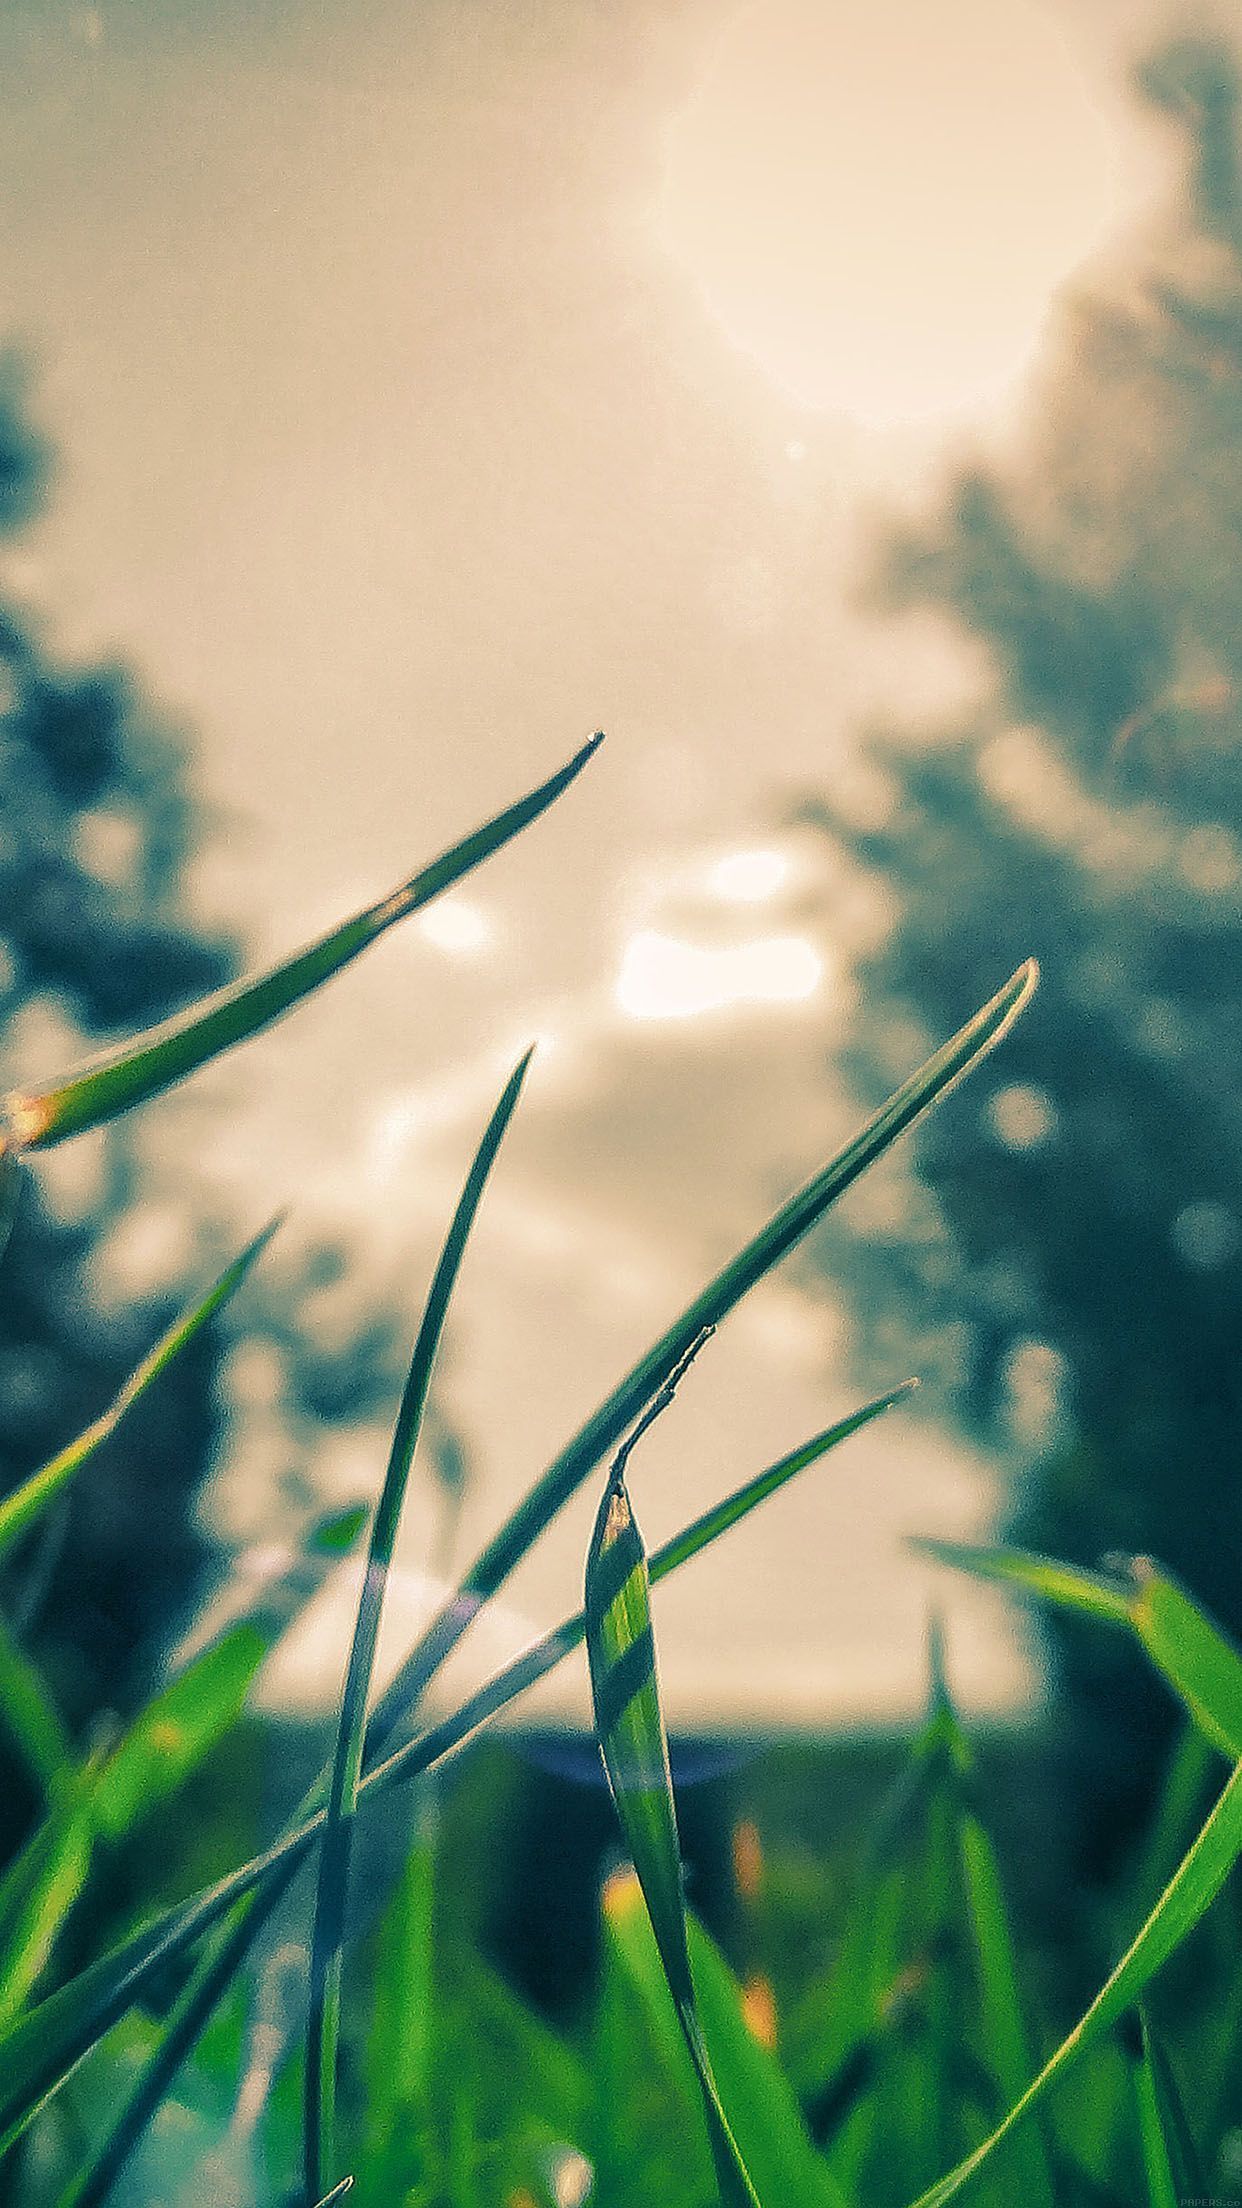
151, 1063
329, 1925
630, 1725
338, 2192
1193, 1887
1170, 2159
1194, 1655
20, 1509
604, 1430
46, 2046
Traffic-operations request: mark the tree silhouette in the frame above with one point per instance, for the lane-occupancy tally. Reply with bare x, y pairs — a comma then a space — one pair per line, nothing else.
1069, 1257
98, 825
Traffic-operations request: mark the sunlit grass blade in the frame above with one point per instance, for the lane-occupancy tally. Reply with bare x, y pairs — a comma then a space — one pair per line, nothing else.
1069, 1585
20, 1509
46, 2046
38, 1891
329, 1924
1192, 1652
1170, 2159
763, 2111
338, 2192
605, 1428
398, 2051
630, 1727
1193, 1887
143, 1068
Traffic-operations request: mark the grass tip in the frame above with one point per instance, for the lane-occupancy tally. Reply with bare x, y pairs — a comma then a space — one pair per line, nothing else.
587, 751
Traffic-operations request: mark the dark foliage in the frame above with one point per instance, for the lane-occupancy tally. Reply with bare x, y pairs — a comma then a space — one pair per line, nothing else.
1072, 1250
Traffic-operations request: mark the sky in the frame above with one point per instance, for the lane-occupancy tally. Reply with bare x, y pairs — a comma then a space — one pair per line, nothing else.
434, 384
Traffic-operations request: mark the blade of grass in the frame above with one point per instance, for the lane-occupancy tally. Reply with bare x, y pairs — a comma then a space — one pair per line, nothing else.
1191, 1766
1004, 2033
153, 1062
32, 1720
778, 2150
10, 1193
1157, 2167
398, 2050
630, 1726
1193, 1887
47, 2046
38, 1891
329, 1924
1192, 1652
1170, 2158
176, 1730
1066, 1584
20, 1509
1194, 1655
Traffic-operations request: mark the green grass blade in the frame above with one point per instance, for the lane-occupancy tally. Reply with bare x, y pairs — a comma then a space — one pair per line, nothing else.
222, 1957
399, 2039
19, 1510
177, 1730
46, 2046
10, 1193
606, 1427
630, 1726
1004, 2032
1170, 2159
1191, 1767
1193, 1887
1157, 2165
143, 1068
1066, 1584
1194, 1655
31, 1719
764, 2113
329, 1924
37, 1893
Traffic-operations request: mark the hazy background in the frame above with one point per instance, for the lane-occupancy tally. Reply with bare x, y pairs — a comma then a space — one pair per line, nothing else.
434, 384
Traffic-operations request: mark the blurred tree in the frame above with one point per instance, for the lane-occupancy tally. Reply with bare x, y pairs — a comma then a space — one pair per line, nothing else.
97, 827
1069, 1257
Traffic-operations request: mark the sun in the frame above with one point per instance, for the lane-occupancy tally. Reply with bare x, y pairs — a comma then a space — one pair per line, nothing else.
879, 203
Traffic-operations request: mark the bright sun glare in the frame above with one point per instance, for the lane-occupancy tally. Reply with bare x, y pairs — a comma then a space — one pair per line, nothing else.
663, 978
879, 202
